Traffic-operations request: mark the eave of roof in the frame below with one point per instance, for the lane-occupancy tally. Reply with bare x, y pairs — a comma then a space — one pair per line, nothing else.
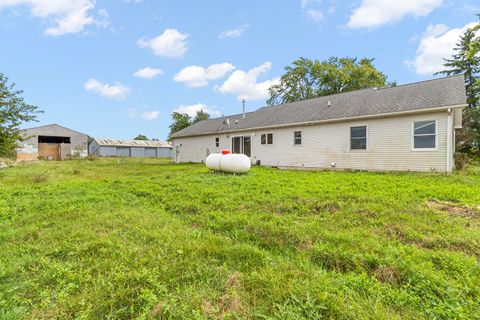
315, 122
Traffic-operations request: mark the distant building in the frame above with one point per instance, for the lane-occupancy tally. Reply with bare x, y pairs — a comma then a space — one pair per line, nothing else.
52, 142
130, 148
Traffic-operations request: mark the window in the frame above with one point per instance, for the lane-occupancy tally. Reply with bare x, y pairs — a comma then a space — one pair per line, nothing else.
297, 138
266, 138
358, 138
217, 142
424, 134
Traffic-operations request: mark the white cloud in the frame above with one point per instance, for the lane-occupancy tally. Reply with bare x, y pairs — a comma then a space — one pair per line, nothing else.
171, 43
375, 13
150, 115
196, 76
117, 91
315, 15
436, 44
192, 109
312, 10
233, 33
148, 73
245, 85
69, 16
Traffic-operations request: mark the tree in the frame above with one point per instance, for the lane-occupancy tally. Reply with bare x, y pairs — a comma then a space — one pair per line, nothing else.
13, 112
306, 78
200, 116
182, 120
179, 121
466, 61
141, 137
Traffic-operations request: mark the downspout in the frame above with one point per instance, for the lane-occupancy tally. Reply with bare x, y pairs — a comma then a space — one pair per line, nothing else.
449, 140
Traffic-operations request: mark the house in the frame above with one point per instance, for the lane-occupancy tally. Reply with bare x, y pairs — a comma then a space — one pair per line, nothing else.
408, 127
130, 148
52, 142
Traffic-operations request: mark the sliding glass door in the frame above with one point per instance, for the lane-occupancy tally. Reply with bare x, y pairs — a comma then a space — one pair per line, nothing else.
242, 145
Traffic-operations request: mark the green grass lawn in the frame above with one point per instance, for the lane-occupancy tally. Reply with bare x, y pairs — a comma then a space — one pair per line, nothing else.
146, 239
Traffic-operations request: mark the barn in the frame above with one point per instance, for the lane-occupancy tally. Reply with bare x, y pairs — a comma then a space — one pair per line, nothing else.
130, 148
53, 142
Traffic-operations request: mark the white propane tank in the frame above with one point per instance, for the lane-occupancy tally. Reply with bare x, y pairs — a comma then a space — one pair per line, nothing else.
213, 161
233, 163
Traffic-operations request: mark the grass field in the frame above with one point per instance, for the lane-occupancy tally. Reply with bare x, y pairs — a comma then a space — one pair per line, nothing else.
145, 239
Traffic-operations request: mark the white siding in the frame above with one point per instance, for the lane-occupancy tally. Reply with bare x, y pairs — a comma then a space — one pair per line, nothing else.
389, 141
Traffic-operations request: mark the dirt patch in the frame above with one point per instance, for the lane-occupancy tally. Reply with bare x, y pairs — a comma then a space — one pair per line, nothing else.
453, 208
229, 303
157, 309
387, 275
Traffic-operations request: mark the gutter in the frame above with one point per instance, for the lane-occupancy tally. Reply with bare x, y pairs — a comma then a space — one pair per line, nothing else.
310, 123
449, 140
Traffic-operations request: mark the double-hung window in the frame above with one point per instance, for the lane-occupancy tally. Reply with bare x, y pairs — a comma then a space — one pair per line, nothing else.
297, 138
425, 135
217, 142
266, 138
358, 138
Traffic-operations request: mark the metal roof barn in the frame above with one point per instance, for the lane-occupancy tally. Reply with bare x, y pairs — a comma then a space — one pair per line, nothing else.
130, 148
52, 142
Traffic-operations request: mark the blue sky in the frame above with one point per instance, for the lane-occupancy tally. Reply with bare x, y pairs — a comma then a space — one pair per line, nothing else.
117, 68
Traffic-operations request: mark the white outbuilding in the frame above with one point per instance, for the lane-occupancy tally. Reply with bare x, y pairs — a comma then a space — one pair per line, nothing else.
130, 148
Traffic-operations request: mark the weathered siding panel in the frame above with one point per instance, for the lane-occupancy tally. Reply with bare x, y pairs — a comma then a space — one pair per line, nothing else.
389, 146
137, 152
164, 152
107, 151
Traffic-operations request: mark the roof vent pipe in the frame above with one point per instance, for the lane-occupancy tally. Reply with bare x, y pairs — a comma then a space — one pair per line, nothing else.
329, 103
243, 103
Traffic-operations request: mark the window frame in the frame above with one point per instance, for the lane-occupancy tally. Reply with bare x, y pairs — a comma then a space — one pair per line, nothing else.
295, 138
429, 134
350, 138
217, 142
262, 135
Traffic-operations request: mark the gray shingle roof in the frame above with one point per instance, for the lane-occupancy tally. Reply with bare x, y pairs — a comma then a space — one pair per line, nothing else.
436, 93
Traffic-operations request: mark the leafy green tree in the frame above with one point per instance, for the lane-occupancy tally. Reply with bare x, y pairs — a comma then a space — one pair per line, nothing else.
141, 137
466, 61
474, 49
200, 116
179, 122
13, 112
306, 78
182, 120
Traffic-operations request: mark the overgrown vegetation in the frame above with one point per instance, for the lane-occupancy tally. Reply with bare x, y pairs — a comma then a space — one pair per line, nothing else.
147, 239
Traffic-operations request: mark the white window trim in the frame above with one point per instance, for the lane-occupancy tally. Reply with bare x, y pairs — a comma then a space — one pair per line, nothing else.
266, 139
413, 136
350, 138
301, 138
